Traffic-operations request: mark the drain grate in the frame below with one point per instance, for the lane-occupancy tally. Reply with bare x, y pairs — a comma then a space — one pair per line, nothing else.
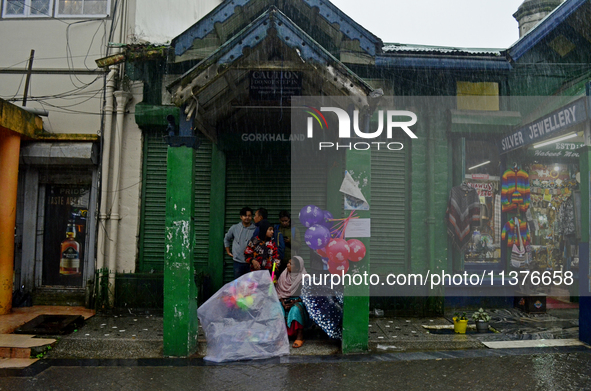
51, 325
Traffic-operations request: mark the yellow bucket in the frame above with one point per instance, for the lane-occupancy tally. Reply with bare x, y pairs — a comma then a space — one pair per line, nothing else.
460, 325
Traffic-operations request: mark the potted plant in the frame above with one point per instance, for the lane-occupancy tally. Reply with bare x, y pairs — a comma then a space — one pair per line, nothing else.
460, 323
481, 317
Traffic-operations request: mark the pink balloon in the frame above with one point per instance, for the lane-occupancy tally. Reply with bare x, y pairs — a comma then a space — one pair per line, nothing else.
337, 250
338, 267
356, 250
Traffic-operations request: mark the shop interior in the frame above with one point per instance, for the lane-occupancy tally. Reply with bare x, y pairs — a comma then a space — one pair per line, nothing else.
540, 205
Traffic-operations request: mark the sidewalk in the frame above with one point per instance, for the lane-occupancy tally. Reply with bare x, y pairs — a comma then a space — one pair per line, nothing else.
134, 336
16, 350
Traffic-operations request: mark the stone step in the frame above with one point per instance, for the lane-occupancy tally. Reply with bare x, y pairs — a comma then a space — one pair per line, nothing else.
16, 362
22, 346
59, 297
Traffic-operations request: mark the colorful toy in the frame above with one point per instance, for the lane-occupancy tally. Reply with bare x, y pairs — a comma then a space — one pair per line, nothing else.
241, 295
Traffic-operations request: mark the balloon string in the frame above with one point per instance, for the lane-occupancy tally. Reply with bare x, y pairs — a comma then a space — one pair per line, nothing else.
341, 227
347, 223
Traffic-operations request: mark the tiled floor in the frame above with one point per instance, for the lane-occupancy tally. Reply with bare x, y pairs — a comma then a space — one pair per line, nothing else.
20, 316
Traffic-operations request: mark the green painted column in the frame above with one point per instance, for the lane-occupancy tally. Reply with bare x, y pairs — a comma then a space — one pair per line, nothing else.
180, 292
217, 204
585, 167
356, 300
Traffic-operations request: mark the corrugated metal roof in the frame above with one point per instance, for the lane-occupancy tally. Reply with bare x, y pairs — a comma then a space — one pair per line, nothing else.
401, 48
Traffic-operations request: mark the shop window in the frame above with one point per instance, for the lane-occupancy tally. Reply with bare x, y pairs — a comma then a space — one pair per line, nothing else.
552, 216
92, 8
482, 173
27, 8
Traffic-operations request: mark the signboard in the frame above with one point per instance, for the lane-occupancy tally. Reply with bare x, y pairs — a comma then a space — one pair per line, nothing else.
275, 85
550, 125
562, 150
484, 189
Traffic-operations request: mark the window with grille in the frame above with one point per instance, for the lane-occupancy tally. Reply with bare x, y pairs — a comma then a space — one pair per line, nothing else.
27, 8
57, 8
92, 8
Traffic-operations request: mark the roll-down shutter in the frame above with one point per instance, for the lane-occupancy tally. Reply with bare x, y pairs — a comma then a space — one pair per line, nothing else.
389, 211
153, 222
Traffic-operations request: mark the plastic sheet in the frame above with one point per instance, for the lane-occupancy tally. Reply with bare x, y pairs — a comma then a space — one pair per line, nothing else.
244, 320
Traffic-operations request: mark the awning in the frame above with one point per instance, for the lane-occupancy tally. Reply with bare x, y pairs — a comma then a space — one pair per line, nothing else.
70, 153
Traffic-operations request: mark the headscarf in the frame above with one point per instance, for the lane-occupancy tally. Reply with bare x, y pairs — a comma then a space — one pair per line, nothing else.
263, 228
289, 284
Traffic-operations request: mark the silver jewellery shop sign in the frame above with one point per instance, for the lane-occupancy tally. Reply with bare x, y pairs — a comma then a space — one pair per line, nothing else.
544, 127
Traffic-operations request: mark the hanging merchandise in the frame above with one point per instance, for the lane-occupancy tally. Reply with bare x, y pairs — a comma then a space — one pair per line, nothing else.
518, 254
516, 233
566, 218
515, 192
463, 213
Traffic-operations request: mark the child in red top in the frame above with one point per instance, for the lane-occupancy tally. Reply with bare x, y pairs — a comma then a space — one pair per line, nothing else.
261, 252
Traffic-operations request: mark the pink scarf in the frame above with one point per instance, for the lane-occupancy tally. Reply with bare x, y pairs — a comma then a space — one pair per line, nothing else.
290, 283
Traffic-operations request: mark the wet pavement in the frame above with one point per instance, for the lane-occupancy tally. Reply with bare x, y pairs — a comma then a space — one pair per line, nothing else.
481, 369
125, 352
136, 336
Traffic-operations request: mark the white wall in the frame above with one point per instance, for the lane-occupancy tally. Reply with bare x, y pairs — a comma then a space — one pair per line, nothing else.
159, 22
130, 185
59, 46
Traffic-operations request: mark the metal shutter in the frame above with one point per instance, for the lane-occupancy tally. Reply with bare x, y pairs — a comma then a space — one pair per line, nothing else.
389, 211
151, 252
309, 179
202, 212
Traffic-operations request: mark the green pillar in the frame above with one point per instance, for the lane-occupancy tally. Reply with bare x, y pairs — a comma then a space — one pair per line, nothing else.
217, 203
356, 300
585, 167
180, 292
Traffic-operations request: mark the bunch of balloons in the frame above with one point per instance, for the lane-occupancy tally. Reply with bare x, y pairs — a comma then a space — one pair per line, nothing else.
325, 236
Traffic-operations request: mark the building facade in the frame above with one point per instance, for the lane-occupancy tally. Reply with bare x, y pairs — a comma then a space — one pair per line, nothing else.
209, 82
49, 69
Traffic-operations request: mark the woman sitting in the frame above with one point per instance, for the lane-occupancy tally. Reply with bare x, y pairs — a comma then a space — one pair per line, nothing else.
261, 251
288, 287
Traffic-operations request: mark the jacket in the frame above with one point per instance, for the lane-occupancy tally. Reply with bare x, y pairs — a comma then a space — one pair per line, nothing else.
237, 238
515, 191
263, 252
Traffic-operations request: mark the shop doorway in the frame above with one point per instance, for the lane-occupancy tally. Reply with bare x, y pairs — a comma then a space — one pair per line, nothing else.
65, 210
256, 179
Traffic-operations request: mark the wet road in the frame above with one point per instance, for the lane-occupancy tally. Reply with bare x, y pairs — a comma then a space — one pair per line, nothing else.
555, 371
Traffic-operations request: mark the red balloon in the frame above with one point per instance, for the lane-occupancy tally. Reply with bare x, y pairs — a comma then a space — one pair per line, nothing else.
338, 267
337, 250
356, 250
321, 252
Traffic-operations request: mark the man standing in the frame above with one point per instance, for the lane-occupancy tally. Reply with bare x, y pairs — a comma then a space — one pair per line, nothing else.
238, 235
287, 238
259, 215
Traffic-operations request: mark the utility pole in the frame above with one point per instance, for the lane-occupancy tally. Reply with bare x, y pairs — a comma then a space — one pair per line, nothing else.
28, 79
